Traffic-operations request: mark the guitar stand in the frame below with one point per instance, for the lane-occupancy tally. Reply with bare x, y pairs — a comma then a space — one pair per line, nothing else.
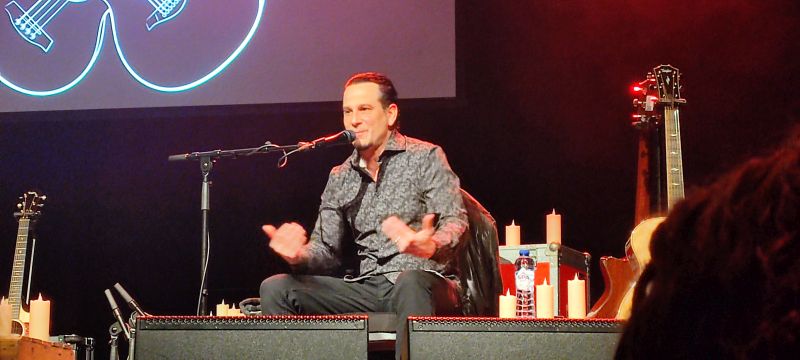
79, 343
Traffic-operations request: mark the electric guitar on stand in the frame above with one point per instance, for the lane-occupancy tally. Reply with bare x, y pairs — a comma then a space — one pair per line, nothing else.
29, 209
659, 186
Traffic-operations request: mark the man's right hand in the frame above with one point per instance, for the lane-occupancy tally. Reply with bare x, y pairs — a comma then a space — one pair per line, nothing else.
288, 241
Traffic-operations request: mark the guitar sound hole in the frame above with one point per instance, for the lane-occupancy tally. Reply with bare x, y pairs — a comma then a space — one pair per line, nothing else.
17, 328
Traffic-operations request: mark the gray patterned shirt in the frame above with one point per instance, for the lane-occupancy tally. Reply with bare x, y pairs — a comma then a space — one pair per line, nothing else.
414, 179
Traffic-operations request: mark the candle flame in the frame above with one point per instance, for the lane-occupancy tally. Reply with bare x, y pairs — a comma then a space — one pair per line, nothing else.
554, 211
508, 292
512, 222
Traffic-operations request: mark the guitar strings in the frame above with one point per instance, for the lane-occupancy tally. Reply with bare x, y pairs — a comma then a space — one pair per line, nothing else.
28, 17
34, 23
54, 13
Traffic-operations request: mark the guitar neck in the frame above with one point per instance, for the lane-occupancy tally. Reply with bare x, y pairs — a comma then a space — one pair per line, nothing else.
18, 268
674, 162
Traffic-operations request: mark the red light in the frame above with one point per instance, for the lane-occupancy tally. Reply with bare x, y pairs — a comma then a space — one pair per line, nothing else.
637, 88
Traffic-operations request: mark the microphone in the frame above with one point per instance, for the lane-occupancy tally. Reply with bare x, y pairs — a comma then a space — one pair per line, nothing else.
340, 138
129, 299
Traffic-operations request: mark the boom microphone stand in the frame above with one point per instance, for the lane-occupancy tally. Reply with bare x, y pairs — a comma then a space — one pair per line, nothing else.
207, 160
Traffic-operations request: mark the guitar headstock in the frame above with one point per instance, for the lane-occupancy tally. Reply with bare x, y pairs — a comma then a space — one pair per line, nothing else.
661, 87
30, 205
668, 80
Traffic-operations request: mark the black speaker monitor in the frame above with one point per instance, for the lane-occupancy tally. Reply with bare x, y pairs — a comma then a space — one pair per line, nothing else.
257, 337
493, 338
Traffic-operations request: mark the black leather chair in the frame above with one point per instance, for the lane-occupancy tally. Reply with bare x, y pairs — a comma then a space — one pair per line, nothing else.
478, 270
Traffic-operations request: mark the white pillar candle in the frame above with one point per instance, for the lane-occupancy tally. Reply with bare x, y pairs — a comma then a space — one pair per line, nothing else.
512, 234
222, 309
508, 305
553, 228
5, 317
544, 300
39, 327
576, 298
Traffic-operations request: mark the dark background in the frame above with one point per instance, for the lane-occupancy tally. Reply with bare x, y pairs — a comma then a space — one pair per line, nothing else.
541, 121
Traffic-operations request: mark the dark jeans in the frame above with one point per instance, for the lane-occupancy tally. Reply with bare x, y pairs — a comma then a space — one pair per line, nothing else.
416, 292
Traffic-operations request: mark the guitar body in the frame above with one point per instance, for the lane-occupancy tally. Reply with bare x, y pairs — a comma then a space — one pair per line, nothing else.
639, 244
619, 277
20, 325
46, 48
639, 252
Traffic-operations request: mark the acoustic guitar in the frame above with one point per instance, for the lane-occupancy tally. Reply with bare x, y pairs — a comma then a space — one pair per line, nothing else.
29, 210
658, 187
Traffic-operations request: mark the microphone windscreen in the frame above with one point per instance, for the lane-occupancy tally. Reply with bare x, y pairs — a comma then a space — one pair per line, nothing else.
125, 296
350, 135
111, 301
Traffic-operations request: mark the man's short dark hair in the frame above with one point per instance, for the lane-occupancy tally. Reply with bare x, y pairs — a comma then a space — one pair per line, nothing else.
388, 92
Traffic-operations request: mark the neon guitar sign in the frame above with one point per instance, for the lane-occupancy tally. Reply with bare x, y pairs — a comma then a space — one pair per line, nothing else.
31, 25
164, 11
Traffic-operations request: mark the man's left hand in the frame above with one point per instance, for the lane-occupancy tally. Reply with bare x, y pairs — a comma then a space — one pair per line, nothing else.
417, 243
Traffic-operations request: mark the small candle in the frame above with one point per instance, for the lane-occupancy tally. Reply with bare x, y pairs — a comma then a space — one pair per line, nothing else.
553, 228
222, 309
576, 298
39, 327
5, 317
508, 305
234, 312
512, 234
544, 300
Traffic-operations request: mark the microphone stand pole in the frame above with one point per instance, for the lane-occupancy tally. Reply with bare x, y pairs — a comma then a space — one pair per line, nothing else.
206, 164
207, 159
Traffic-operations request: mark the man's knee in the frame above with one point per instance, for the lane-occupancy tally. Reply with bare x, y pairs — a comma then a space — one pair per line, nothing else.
416, 281
276, 284
427, 288
275, 291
